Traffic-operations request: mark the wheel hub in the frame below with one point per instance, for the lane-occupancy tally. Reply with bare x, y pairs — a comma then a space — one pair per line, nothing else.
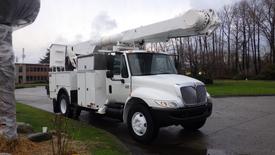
139, 124
63, 106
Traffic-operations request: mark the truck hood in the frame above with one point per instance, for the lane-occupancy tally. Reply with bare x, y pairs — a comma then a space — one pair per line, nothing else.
167, 79
161, 87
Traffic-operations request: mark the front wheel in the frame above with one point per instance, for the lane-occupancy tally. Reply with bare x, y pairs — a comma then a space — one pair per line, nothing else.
141, 125
194, 125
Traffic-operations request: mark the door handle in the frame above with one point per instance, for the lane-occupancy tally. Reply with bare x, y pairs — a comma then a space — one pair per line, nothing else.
127, 86
110, 89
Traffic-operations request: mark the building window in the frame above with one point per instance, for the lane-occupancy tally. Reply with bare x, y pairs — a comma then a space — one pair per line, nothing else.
20, 69
20, 79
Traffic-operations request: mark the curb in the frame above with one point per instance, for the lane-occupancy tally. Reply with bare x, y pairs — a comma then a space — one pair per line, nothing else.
229, 96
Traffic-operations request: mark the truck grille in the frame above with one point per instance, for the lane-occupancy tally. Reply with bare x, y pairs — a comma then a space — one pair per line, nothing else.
194, 95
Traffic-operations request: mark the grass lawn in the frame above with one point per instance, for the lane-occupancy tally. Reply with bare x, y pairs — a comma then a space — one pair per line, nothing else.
241, 88
30, 85
98, 141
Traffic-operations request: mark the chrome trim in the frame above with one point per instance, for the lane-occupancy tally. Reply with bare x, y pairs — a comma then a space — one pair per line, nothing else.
194, 95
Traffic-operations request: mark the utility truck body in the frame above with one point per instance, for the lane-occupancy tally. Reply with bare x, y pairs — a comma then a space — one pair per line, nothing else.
112, 77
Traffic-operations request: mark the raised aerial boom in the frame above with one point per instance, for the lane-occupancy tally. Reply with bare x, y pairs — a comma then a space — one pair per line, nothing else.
192, 23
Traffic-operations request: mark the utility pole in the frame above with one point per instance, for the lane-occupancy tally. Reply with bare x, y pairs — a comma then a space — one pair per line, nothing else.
16, 59
23, 55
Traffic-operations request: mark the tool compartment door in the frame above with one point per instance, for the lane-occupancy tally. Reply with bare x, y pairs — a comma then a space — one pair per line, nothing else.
52, 85
81, 90
90, 90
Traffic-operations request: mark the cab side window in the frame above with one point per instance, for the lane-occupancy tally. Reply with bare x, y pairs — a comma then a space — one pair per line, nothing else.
119, 66
124, 71
116, 64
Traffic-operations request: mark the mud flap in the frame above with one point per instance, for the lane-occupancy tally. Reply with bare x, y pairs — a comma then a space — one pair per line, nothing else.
56, 108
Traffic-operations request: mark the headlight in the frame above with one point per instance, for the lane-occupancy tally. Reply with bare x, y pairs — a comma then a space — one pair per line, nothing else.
209, 100
166, 104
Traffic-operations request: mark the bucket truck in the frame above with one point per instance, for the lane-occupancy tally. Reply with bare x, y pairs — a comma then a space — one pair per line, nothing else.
114, 76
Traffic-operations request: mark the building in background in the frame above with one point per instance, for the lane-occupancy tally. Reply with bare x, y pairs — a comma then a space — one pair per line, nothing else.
31, 73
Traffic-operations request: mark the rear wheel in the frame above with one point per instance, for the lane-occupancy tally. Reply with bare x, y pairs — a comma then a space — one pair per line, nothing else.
194, 125
64, 106
141, 125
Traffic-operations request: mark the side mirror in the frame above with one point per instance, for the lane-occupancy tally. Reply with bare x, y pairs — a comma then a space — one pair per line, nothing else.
124, 73
109, 74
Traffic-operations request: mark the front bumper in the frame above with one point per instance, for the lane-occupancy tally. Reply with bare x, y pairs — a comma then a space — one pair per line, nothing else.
167, 117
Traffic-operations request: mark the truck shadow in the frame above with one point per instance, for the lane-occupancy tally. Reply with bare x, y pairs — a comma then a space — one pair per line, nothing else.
171, 140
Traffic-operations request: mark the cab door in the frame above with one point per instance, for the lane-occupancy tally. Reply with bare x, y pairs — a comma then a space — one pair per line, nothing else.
118, 87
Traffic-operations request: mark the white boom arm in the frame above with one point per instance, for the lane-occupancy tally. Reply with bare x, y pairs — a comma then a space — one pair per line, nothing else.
192, 23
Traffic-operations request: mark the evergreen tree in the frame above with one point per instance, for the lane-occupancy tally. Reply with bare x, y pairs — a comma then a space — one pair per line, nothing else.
45, 59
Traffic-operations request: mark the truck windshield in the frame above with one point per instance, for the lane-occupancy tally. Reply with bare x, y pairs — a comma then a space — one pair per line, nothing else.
150, 64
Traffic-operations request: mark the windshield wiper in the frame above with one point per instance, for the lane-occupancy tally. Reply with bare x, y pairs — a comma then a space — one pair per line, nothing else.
146, 74
166, 73
150, 74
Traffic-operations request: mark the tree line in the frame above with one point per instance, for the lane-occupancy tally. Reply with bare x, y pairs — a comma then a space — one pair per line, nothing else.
242, 46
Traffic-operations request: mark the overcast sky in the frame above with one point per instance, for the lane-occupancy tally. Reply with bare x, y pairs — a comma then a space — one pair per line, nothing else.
72, 21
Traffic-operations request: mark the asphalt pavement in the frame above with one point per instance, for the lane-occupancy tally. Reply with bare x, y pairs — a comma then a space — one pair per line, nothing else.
238, 125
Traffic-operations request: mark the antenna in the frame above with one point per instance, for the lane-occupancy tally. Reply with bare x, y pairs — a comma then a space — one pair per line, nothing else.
23, 55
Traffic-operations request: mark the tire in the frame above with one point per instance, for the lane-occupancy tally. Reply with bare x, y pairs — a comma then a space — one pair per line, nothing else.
194, 125
141, 125
64, 106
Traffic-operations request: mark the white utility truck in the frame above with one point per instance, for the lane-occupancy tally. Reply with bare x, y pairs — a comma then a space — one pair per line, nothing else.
116, 77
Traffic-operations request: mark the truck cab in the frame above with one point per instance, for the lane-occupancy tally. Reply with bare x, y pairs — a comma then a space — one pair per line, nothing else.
154, 95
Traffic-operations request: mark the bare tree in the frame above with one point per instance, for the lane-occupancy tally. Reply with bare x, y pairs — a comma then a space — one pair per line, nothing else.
236, 48
228, 15
267, 24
